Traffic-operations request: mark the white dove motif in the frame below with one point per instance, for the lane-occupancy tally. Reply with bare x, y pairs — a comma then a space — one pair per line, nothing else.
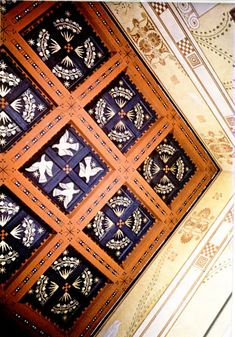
67, 191
88, 171
64, 146
43, 167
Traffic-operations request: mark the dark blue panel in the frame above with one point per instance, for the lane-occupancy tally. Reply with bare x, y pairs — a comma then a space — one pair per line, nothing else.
66, 169
21, 104
66, 288
21, 232
7, 5
67, 44
121, 111
167, 169
120, 224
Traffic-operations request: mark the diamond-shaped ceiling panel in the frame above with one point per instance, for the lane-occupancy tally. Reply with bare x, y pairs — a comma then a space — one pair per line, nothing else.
119, 225
167, 169
110, 170
66, 288
21, 232
122, 112
67, 169
67, 44
21, 104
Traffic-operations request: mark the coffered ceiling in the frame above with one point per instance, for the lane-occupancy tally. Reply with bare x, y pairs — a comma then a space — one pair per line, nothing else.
99, 165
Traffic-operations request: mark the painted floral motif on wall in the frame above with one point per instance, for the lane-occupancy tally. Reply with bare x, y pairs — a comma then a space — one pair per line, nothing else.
215, 37
220, 146
208, 38
196, 226
149, 41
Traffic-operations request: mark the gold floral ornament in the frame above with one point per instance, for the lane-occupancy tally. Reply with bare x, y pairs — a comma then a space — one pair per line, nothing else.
196, 225
221, 147
149, 41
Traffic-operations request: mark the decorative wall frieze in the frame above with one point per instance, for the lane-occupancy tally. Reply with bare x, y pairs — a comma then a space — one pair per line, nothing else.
189, 14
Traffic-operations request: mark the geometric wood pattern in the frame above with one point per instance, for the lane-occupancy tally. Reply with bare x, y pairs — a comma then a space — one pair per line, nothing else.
108, 168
